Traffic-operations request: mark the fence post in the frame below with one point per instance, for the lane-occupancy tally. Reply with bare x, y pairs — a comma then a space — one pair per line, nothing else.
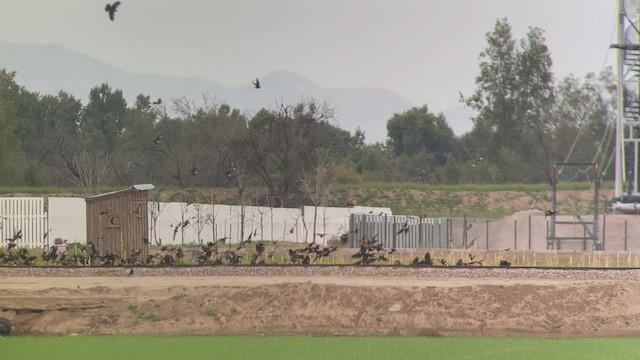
515, 234
625, 235
487, 236
529, 232
464, 232
604, 230
440, 232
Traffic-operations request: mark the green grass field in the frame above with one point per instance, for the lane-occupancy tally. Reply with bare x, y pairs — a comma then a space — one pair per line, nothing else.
309, 347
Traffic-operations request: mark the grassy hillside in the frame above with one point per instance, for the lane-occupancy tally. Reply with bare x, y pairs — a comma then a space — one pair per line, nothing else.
486, 201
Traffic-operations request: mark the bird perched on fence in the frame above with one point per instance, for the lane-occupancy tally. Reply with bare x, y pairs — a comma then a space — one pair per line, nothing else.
17, 235
549, 213
404, 229
111, 9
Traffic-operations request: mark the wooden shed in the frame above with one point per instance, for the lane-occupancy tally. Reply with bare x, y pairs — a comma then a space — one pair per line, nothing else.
118, 221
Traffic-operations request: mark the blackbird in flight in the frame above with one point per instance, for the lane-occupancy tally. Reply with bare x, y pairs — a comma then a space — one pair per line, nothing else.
111, 9
256, 83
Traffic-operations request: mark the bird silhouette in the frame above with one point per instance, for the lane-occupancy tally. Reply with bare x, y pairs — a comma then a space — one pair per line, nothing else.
404, 229
130, 272
157, 102
260, 248
16, 236
111, 9
256, 83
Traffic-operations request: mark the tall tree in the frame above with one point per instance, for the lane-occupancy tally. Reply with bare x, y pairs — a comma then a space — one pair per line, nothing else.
514, 93
104, 118
283, 141
417, 130
19, 110
9, 145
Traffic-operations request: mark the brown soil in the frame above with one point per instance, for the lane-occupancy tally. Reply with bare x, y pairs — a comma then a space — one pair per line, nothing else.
331, 305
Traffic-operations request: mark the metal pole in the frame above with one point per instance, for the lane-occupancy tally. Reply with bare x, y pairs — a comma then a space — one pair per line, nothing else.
552, 229
604, 229
596, 205
515, 234
529, 232
464, 232
619, 163
440, 232
625, 235
487, 236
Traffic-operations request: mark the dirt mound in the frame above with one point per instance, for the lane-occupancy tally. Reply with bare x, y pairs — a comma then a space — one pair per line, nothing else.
320, 305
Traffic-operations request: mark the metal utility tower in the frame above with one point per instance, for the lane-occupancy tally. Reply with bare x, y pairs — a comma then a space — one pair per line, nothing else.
627, 149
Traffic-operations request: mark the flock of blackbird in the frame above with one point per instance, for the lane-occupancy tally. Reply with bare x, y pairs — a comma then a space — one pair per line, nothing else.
215, 253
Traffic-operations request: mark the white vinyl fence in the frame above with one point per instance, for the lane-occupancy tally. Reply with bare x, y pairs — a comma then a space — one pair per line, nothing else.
235, 223
26, 216
66, 219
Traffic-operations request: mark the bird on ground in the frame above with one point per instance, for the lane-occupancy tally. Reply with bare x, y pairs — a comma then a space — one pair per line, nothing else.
222, 240
111, 9
130, 272
157, 102
256, 83
505, 263
260, 248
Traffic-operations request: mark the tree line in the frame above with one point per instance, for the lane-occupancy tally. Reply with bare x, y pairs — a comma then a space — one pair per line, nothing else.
525, 122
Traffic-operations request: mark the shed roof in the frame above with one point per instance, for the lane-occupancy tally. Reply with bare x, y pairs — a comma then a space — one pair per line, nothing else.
138, 187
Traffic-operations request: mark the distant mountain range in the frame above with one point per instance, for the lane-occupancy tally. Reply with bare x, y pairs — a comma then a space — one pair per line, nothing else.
48, 68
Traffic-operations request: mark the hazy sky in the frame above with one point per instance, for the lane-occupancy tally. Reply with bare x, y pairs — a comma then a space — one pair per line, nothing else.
424, 50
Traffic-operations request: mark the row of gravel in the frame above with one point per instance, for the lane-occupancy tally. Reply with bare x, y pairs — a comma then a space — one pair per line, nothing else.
324, 270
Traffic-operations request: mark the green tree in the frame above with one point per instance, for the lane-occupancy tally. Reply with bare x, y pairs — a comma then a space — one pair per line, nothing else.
103, 118
285, 140
417, 130
9, 145
513, 98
